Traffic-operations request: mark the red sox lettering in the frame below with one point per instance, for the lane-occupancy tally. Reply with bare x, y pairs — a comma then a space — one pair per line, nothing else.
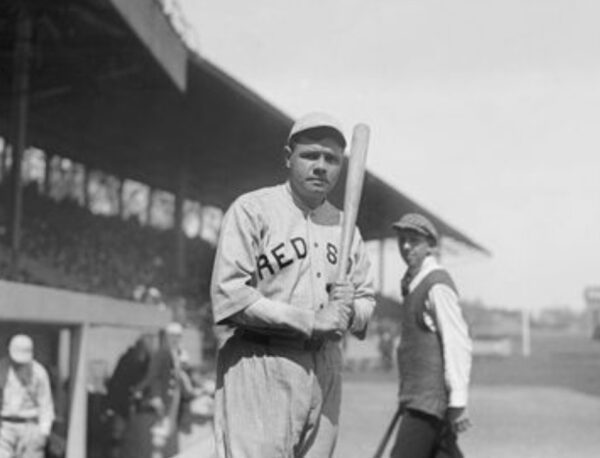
284, 254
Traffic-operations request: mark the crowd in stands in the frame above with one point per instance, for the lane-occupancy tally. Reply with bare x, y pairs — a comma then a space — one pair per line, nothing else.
65, 245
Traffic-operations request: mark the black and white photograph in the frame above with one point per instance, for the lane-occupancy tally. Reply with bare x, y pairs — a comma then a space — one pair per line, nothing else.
299, 229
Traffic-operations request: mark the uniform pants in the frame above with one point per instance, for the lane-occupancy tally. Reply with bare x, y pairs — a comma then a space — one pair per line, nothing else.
276, 401
424, 436
21, 440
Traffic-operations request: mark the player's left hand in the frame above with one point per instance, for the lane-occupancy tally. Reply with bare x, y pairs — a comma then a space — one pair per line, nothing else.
459, 420
342, 294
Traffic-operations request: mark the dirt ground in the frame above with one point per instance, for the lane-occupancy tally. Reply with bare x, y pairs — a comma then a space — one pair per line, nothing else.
546, 405
511, 421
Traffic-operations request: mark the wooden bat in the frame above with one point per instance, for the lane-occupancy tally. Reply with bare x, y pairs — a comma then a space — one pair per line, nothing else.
354, 185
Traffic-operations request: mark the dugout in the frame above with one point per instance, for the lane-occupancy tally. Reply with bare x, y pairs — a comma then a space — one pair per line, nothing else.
66, 326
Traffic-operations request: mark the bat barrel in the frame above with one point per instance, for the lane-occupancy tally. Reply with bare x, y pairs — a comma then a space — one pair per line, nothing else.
353, 192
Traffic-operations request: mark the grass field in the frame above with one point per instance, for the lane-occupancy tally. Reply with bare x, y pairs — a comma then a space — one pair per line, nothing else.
543, 406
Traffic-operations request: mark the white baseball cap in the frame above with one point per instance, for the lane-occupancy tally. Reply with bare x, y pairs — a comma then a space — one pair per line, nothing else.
318, 120
20, 349
174, 328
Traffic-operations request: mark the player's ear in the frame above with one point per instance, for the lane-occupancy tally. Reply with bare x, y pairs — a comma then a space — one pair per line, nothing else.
288, 154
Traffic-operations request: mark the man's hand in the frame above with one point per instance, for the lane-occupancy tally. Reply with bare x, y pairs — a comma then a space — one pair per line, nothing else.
157, 405
458, 417
39, 439
335, 317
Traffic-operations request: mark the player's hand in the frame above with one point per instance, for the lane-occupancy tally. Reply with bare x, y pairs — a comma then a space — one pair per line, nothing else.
329, 321
334, 318
157, 405
341, 296
459, 420
39, 439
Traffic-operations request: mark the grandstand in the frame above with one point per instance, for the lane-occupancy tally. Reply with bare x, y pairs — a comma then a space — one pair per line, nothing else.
119, 145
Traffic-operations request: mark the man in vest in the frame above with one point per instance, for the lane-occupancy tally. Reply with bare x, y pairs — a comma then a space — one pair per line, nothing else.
434, 356
26, 406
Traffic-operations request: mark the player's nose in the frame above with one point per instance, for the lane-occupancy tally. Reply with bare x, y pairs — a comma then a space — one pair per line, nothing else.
321, 164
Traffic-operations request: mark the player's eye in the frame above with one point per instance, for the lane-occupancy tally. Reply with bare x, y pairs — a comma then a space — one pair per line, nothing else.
310, 155
332, 159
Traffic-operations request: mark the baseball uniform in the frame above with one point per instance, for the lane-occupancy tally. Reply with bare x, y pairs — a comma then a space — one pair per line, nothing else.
279, 388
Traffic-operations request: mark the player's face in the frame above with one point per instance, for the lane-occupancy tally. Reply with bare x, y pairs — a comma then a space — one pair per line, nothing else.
414, 248
314, 168
174, 340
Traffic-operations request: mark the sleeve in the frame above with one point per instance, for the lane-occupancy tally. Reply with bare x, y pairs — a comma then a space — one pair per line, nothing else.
457, 346
234, 271
234, 295
269, 314
45, 402
362, 278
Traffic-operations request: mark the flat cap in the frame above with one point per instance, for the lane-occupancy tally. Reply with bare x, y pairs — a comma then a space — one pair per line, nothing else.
418, 223
318, 120
20, 349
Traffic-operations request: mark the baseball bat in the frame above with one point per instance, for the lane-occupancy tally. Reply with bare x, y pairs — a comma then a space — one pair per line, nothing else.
388, 433
354, 184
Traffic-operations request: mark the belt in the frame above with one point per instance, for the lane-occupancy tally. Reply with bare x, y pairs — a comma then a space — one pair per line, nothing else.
276, 341
11, 419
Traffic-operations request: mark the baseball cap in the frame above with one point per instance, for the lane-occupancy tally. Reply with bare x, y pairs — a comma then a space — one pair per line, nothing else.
417, 222
20, 349
318, 120
174, 328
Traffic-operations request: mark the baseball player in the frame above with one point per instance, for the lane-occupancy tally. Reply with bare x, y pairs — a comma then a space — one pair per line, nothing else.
279, 375
434, 356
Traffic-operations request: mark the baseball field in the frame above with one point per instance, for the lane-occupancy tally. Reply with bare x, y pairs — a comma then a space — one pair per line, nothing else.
546, 405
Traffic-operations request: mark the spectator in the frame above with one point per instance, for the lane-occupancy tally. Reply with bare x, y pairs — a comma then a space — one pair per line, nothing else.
131, 369
164, 390
434, 356
26, 405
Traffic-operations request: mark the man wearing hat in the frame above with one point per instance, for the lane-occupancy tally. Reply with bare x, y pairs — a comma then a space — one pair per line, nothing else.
434, 356
26, 406
278, 375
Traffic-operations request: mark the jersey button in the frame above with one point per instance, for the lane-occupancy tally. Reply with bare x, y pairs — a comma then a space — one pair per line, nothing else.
316, 245
321, 306
318, 274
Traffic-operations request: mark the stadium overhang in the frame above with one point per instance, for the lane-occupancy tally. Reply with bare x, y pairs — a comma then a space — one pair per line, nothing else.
99, 94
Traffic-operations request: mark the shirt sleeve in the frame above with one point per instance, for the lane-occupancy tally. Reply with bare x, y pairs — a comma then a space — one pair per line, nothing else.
362, 278
233, 287
45, 403
234, 271
269, 314
457, 346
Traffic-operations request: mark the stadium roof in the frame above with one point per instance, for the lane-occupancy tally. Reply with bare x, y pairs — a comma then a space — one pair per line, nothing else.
101, 93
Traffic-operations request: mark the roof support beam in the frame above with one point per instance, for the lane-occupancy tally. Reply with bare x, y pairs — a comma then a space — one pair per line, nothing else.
20, 103
154, 30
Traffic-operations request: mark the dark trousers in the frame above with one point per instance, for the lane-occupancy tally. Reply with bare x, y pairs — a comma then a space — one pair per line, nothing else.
424, 436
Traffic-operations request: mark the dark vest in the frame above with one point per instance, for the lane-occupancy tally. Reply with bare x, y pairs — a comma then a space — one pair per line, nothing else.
420, 355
